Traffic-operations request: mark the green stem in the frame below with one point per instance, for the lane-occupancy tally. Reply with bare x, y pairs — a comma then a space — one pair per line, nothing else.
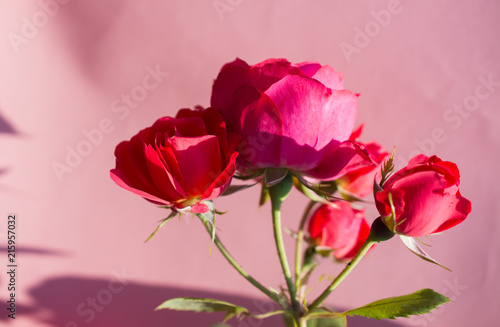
343, 274
298, 245
278, 236
240, 269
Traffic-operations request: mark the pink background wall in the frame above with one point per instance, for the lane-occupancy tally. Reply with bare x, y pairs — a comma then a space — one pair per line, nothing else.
66, 74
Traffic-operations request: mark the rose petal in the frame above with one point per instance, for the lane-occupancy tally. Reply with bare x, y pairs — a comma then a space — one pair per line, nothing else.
199, 161
221, 183
330, 78
261, 121
163, 180
304, 102
340, 160
426, 205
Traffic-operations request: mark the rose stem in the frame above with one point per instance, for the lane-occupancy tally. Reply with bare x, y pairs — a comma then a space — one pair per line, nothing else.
343, 274
277, 194
298, 245
240, 269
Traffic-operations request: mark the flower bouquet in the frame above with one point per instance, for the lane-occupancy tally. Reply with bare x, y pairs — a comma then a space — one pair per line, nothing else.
279, 126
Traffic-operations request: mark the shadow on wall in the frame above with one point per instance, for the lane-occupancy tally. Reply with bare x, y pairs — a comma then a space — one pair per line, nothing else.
77, 302
6, 127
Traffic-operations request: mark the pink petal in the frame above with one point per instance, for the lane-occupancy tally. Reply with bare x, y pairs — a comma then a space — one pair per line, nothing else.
340, 160
261, 123
304, 102
187, 126
230, 78
330, 78
427, 207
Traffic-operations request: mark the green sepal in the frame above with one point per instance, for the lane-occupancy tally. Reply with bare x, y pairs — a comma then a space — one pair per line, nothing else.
316, 192
273, 176
279, 191
162, 222
387, 168
413, 246
204, 305
264, 195
236, 188
379, 232
208, 218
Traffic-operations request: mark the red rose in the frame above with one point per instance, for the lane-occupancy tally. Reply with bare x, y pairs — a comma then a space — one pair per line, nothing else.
360, 181
339, 227
295, 116
425, 196
179, 161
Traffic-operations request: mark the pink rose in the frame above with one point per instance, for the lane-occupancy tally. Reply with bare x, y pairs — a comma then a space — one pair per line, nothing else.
339, 227
360, 181
425, 196
295, 116
179, 161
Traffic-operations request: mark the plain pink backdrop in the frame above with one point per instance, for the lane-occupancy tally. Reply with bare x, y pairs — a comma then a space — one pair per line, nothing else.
415, 64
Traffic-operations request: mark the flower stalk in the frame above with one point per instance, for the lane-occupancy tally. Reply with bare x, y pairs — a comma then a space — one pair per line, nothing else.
240, 269
277, 194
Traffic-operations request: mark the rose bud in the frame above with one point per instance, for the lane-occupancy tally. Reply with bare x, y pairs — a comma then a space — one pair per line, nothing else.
425, 198
340, 228
179, 161
294, 116
360, 181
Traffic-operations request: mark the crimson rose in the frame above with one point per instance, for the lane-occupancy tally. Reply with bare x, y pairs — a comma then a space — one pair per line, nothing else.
425, 196
295, 116
179, 161
340, 228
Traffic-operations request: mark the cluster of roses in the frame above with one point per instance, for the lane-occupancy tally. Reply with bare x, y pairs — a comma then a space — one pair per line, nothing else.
297, 119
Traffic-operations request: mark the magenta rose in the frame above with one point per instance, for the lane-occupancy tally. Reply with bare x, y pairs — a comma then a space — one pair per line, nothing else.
425, 196
339, 227
179, 161
295, 116
360, 181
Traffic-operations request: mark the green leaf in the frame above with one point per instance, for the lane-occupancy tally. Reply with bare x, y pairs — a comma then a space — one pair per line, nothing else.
163, 222
420, 302
203, 305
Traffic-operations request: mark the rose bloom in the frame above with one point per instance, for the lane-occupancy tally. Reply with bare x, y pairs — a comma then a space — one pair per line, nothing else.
179, 161
339, 227
425, 196
360, 181
295, 116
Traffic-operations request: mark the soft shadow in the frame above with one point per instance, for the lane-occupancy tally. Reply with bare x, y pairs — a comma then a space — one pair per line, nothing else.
26, 250
117, 302
6, 127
